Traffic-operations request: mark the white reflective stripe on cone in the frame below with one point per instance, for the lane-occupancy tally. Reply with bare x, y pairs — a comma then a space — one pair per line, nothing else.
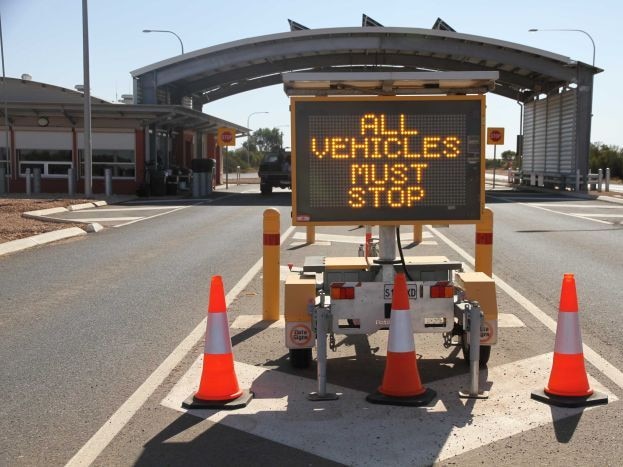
568, 337
217, 334
401, 332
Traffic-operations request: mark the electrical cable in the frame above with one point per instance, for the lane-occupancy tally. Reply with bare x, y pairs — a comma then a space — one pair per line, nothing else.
402, 256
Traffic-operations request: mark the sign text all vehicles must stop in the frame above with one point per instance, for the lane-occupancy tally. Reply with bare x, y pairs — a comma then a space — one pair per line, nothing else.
386, 160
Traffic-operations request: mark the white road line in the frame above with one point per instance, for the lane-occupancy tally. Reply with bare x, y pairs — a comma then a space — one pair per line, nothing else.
108, 219
138, 208
102, 438
577, 216
615, 375
158, 215
602, 215
576, 206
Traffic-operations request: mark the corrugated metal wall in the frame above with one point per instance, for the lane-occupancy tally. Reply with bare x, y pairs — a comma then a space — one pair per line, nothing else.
549, 134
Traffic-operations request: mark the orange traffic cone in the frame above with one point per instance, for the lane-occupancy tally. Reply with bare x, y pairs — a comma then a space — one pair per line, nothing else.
568, 381
401, 381
218, 387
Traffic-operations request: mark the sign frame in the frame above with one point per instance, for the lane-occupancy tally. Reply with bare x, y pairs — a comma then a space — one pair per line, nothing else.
299, 218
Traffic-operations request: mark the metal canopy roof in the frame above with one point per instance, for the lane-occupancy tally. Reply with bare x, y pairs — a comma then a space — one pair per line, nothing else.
30, 99
389, 83
226, 69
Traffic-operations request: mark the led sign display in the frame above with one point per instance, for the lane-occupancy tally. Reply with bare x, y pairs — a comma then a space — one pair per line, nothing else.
387, 160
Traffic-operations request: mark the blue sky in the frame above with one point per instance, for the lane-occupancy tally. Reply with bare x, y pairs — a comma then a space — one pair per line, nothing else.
44, 39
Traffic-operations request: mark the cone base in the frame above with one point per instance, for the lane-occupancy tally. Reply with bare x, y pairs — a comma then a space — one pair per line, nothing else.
238, 403
596, 398
409, 401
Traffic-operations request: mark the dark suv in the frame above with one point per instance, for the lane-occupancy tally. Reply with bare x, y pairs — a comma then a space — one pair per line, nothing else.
275, 171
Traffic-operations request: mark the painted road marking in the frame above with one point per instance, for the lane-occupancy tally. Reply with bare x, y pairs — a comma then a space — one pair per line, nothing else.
106, 219
256, 321
585, 216
134, 208
280, 412
615, 375
579, 206
317, 243
102, 438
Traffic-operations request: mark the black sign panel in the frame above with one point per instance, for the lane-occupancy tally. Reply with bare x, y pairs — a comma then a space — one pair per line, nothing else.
387, 160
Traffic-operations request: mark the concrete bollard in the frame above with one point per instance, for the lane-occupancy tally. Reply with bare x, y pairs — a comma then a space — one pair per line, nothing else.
71, 181
28, 182
108, 182
36, 180
607, 178
271, 258
600, 179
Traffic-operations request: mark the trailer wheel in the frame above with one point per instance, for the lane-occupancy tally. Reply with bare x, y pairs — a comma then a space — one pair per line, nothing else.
300, 358
485, 351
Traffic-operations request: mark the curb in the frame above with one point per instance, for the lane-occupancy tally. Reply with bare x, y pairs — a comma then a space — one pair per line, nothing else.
41, 239
74, 207
48, 237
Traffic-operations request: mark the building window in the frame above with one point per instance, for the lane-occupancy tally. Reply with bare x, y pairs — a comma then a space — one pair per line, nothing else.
4, 162
52, 162
121, 161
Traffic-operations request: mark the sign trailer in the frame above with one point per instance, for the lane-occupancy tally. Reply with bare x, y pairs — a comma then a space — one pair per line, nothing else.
389, 161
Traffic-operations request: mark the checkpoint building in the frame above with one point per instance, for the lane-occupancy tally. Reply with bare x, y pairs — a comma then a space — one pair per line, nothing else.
46, 133
165, 126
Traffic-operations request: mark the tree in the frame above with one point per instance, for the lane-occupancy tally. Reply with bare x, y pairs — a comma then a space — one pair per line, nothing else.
602, 156
265, 139
509, 159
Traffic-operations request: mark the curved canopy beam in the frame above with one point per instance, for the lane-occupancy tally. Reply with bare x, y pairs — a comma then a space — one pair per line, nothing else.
226, 69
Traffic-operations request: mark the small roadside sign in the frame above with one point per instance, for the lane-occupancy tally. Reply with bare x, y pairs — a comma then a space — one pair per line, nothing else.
226, 137
495, 135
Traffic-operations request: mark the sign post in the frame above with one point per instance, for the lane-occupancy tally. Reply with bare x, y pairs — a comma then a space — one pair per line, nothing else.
226, 137
495, 136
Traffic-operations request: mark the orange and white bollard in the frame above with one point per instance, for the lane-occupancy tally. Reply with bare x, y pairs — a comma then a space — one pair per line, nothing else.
271, 257
484, 243
417, 233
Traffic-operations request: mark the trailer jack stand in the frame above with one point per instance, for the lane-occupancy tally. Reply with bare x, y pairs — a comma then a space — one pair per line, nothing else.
322, 324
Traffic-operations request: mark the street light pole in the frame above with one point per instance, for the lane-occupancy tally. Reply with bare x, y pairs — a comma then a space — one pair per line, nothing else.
249, 136
88, 173
170, 32
6, 115
569, 30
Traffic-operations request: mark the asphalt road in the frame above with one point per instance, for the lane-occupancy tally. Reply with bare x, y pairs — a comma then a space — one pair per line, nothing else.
85, 322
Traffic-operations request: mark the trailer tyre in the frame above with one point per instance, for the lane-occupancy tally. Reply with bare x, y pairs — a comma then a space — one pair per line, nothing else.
300, 358
485, 351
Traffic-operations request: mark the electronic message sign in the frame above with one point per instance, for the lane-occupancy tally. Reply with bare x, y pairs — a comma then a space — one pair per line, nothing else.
387, 160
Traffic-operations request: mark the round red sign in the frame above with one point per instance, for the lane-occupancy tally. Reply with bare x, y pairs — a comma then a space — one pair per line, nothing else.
227, 136
495, 135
